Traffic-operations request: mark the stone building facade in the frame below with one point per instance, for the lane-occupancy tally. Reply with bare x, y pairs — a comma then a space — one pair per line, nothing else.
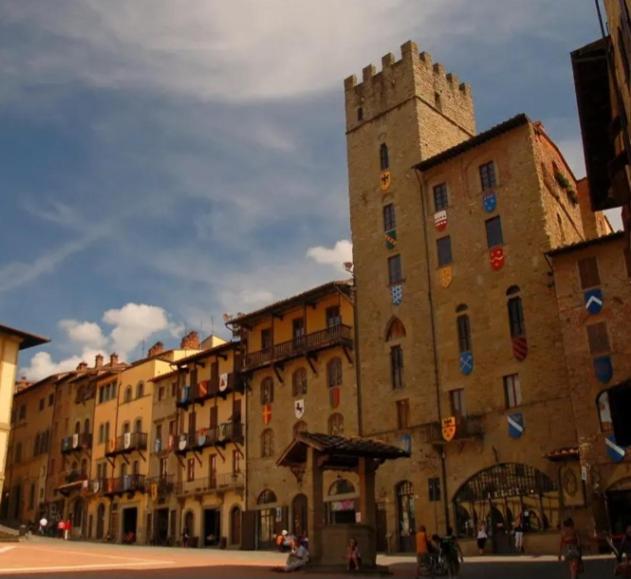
456, 306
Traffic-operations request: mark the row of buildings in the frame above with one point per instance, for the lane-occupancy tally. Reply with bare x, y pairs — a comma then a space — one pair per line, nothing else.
485, 321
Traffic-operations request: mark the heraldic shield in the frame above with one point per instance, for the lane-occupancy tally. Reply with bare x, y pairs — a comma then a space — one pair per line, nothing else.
440, 220
616, 452
489, 202
384, 180
446, 276
593, 300
603, 368
202, 389
449, 428
466, 363
267, 414
520, 348
397, 294
334, 396
515, 424
497, 258
391, 238
299, 408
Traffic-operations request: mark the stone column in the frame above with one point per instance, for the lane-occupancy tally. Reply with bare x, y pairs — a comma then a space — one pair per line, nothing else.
316, 504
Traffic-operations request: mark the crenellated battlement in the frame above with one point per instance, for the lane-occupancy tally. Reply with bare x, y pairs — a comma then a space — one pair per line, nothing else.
413, 75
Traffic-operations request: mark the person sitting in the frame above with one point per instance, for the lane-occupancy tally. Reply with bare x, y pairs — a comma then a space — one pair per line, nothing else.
298, 557
353, 556
282, 541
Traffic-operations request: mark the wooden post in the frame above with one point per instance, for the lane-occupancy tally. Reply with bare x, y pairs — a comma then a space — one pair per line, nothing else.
316, 505
367, 503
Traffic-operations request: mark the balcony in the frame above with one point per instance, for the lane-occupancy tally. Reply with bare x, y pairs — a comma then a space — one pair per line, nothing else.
207, 389
337, 335
120, 485
160, 486
219, 483
467, 427
76, 443
73, 480
128, 442
220, 436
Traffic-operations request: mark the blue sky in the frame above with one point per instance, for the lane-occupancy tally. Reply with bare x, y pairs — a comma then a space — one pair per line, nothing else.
166, 161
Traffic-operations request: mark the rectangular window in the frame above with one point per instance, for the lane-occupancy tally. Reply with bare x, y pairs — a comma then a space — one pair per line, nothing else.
266, 338
213, 417
161, 393
42, 402
236, 461
333, 318
588, 272
403, 413
516, 317
298, 329
236, 410
440, 197
173, 389
443, 247
494, 235
487, 176
433, 487
512, 390
464, 333
51, 399
190, 469
396, 367
22, 415
598, 338
389, 218
212, 471
456, 400
395, 272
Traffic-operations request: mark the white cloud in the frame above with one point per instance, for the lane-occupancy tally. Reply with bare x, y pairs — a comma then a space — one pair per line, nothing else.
88, 334
42, 364
341, 252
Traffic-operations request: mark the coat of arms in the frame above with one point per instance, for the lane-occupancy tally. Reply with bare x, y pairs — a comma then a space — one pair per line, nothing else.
466, 363
397, 294
181, 444
497, 258
520, 348
603, 368
449, 428
515, 424
267, 413
489, 202
299, 408
126, 440
446, 276
391, 238
385, 180
202, 389
223, 382
593, 300
440, 220
334, 396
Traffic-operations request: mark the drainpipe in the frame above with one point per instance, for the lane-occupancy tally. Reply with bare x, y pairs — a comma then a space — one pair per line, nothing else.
443, 456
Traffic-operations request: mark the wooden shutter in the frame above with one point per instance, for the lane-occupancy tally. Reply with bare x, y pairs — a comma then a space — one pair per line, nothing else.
588, 272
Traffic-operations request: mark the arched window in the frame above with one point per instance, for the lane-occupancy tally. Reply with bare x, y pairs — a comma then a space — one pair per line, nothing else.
299, 382
267, 443
267, 391
128, 394
384, 160
334, 372
341, 486
77, 427
140, 389
464, 329
336, 424
138, 425
395, 329
300, 426
515, 312
266, 497
86, 426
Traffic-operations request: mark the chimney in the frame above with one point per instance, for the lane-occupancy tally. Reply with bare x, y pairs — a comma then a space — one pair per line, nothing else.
113, 359
82, 366
156, 349
190, 341
98, 360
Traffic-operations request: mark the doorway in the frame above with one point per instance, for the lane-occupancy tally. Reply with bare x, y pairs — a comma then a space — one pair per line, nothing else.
235, 526
382, 528
100, 521
299, 515
619, 507
212, 527
407, 516
130, 524
161, 535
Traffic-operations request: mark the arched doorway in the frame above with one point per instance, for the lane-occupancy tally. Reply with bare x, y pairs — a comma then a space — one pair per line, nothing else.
407, 516
299, 515
235, 525
100, 521
341, 502
501, 493
266, 519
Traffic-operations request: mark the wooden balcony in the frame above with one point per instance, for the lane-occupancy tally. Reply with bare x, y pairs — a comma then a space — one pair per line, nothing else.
467, 428
223, 434
76, 443
207, 389
337, 335
219, 483
127, 443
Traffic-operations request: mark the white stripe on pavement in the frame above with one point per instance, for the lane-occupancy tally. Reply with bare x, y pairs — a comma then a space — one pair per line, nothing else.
5, 549
82, 567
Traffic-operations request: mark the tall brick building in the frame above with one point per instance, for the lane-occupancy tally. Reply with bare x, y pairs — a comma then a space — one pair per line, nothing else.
457, 314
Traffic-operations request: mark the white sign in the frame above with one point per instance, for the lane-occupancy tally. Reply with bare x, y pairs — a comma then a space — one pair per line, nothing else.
299, 408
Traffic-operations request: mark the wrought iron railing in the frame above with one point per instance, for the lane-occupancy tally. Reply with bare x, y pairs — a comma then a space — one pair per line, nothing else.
206, 389
128, 442
119, 485
76, 442
219, 482
333, 335
221, 435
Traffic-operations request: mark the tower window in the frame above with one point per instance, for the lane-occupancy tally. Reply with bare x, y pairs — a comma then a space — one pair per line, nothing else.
494, 235
464, 333
360, 114
512, 390
440, 197
389, 217
395, 271
384, 160
396, 367
443, 246
487, 176
598, 338
588, 272
403, 413
456, 399
516, 317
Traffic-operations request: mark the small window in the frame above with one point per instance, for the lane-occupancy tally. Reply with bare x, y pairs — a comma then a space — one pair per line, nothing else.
464, 333
403, 413
299, 382
266, 338
360, 114
441, 199
267, 443
51, 399
161, 393
396, 367
23, 412
598, 338
395, 272
336, 424
140, 389
389, 217
138, 425
333, 317
494, 235
384, 157
128, 394
512, 390
456, 400
267, 391
334, 372
487, 176
588, 272
433, 486
516, 317
443, 247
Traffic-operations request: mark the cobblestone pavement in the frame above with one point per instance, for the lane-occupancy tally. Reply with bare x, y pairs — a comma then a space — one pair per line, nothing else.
53, 558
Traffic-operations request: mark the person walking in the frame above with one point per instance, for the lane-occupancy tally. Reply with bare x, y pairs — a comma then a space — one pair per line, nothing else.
570, 548
518, 529
67, 529
61, 527
422, 548
43, 525
452, 553
481, 538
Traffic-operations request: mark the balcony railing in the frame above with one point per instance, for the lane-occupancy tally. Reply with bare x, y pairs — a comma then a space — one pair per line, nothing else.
338, 334
220, 482
119, 485
220, 386
467, 427
128, 442
76, 442
160, 485
220, 436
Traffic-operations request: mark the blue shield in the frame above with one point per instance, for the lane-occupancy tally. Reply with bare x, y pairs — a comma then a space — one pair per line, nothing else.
489, 202
593, 300
406, 443
397, 294
614, 450
466, 363
515, 425
603, 369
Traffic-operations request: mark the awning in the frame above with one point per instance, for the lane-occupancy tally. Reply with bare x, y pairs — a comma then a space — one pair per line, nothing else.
67, 488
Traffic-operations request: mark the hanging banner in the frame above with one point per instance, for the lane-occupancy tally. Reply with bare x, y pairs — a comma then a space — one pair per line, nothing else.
267, 413
384, 180
334, 396
223, 382
202, 389
299, 408
126, 440
75, 440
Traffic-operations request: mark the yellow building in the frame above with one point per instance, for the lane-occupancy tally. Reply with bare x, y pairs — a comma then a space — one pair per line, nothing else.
11, 342
298, 362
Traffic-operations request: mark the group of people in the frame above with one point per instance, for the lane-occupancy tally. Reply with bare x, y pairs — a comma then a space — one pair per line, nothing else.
63, 527
298, 548
435, 551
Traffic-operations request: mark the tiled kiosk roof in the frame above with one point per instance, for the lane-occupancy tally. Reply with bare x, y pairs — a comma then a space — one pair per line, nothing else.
341, 452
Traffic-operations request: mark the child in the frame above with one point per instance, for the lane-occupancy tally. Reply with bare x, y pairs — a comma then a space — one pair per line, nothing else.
353, 556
